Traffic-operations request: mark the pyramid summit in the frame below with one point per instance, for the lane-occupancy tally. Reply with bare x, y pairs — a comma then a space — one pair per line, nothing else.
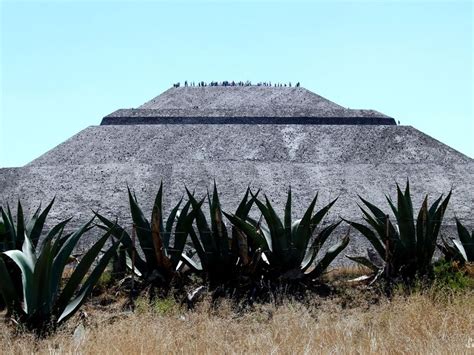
265, 137
243, 104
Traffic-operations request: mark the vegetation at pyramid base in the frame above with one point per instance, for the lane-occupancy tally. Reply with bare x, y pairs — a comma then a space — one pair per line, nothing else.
158, 261
406, 249
222, 259
43, 300
289, 247
246, 256
461, 250
12, 236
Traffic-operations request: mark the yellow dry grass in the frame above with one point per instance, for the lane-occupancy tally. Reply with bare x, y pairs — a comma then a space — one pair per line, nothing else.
419, 323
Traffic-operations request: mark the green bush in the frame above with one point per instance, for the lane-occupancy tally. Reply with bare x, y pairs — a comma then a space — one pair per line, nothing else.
158, 261
406, 248
289, 246
461, 250
448, 276
222, 258
41, 303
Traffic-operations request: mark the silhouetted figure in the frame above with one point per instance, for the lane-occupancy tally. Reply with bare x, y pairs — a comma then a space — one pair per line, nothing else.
298, 84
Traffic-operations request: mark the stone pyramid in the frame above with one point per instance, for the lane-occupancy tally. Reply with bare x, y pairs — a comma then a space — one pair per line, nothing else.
268, 137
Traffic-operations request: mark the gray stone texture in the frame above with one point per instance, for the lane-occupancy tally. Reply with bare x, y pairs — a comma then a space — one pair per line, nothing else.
91, 170
240, 105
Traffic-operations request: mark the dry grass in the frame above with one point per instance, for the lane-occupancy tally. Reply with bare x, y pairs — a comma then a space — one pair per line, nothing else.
413, 324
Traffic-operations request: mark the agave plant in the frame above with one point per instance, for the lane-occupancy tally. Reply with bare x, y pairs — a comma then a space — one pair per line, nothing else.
461, 250
160, 258
406, 248
42, 303
221, 258
12, 234
289, 246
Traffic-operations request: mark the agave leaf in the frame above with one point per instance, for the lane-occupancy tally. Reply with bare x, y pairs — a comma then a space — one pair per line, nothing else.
303, 232
460, 248
29, 251
421, 230
243, 203
7, 289
199, 249
20, 224
80, 272
240, 245
378, 225
363, 261
119, 233
35, 227
219, 229
439, 214
170, 222
3, 235
316, 245
143, 231
450, 252
205, 233
58, 228
277, 223
88, 285
406, 219
32, 221
330, 255
42, 283
466, 240
193, 264
61, 259
318, 217
245, 210
287, 218
276, 231
157, 230
183, 226
264, 239
371, 237
16, 240
27, 268
249, 229
378, 213
434, 207
433, 227
10, 233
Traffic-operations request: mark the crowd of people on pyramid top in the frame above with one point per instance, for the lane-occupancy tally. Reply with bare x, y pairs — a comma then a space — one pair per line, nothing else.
234, 83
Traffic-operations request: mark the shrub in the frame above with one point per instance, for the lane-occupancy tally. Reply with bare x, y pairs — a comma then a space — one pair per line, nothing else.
42, 304
222, 259
408, 247
461, 250
160, 259
288, 246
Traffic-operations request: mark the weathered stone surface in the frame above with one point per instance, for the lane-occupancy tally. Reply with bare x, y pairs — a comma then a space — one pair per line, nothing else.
318, 144
91, 170
243, 105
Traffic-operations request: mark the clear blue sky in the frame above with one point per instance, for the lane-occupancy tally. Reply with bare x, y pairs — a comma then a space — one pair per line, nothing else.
65, 64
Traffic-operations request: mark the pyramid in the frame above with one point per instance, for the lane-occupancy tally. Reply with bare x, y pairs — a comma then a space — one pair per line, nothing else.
265, 137
243, 105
